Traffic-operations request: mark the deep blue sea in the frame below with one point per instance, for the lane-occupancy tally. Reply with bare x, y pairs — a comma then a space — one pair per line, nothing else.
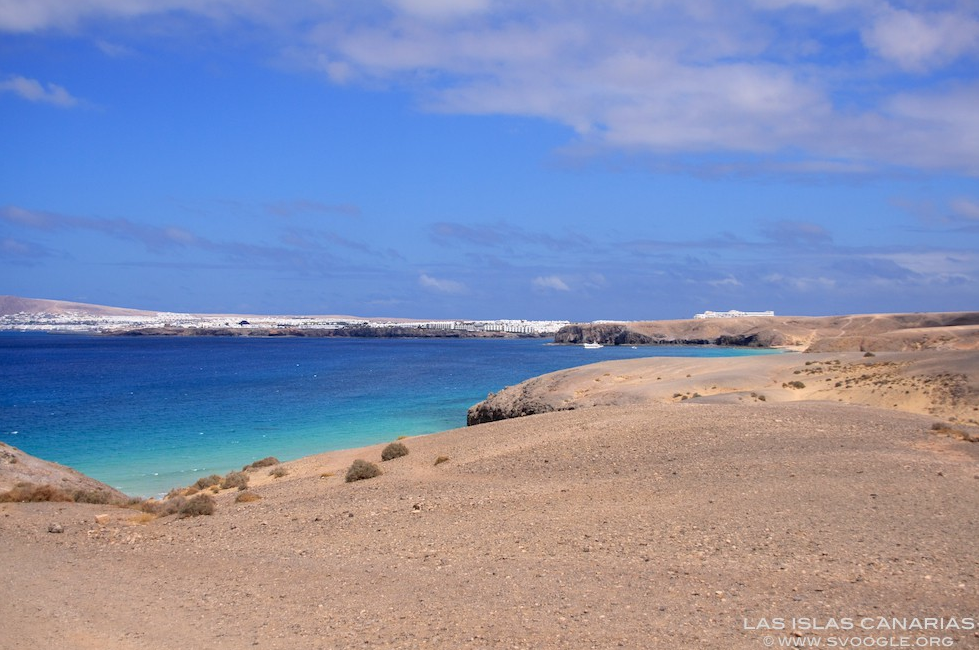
146, 414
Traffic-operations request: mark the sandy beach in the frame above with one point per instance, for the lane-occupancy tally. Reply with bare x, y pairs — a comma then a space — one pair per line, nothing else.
680, 504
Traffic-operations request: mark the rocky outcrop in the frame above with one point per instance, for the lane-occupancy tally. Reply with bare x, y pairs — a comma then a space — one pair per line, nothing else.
605, 334
531, 397
59, 483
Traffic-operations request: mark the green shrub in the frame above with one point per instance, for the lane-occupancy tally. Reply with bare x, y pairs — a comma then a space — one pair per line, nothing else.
361, 469
235, 480
394, 450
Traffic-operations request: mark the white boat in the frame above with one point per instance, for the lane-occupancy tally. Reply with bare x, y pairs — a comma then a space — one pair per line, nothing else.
593, 346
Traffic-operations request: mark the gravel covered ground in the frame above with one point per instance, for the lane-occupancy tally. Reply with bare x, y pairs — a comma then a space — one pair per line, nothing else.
651, 525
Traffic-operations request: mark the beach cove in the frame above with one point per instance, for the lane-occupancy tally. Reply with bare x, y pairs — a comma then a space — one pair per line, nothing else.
148, 414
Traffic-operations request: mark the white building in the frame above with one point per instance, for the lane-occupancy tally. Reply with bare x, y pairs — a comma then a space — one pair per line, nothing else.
734, 313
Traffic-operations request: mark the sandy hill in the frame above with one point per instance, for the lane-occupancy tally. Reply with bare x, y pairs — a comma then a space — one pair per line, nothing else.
17, 468
15, 305
868, 332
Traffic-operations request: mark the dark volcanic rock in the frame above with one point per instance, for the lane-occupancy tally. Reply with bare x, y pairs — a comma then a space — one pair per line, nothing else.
606, 334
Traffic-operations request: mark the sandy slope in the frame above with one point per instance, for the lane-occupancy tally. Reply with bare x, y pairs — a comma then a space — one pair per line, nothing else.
653, 524
941, 384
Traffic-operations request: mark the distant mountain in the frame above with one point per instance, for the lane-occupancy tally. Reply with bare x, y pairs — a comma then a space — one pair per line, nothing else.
15, 305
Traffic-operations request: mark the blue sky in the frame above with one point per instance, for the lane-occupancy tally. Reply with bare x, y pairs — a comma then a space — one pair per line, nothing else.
623, 159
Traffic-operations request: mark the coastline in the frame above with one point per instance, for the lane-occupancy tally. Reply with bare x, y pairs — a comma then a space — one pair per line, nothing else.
637, 518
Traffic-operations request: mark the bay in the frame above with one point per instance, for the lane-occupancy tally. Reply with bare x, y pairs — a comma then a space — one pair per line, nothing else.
148, 414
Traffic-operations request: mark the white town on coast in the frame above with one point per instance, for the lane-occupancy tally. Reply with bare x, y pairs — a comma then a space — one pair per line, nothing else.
85, 320
70, 321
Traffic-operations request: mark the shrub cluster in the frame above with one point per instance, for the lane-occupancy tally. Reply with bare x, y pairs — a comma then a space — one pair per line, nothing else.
34, 493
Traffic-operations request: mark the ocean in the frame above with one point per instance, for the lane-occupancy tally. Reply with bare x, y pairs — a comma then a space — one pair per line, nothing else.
145, 414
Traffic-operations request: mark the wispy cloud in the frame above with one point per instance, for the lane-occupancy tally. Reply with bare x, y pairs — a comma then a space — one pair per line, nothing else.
796, 233
966, 209
504, 237
551, 283
34, 91
154, 238
303, 206
302, 251
441, 285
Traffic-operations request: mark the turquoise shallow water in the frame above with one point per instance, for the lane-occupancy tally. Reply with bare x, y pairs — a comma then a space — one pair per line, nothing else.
148, 414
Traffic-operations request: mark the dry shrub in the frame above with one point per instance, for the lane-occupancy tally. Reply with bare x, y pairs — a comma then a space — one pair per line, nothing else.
278, 472
258, 464
394, 450
246, 497
202, 504
33, 493
327, 474
142, 518
441, 459
361, 469
169, 506
94, 496
794, 384
944, 429
235, 480
207, 481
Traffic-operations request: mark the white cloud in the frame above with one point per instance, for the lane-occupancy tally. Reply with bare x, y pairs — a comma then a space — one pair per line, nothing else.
551, 282
920, 41
777, 85
34, 91
441, 285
